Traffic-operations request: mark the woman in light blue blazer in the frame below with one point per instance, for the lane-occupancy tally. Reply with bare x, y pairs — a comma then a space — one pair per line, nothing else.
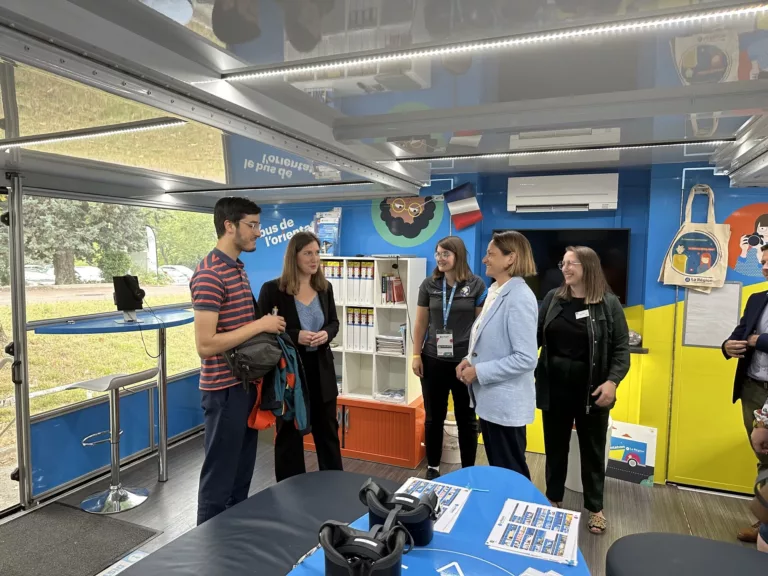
503, 353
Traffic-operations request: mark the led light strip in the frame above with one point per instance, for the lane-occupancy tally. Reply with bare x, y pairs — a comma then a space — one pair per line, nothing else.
630, 26
88, 133
270, 188
511, 154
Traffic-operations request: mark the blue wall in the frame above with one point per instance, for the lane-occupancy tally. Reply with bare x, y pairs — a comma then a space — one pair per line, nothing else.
632, 213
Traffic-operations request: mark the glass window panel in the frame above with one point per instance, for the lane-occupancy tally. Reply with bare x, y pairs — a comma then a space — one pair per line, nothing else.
49, 104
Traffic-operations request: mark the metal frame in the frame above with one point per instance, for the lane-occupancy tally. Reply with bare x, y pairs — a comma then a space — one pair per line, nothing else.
20, 368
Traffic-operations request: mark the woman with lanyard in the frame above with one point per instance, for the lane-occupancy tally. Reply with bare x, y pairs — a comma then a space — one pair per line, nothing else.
448, 303
584, 356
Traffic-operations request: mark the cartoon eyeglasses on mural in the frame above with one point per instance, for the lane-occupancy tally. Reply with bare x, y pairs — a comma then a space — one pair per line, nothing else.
414, 208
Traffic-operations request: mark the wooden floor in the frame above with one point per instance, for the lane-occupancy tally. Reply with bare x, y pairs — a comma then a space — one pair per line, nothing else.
630, 508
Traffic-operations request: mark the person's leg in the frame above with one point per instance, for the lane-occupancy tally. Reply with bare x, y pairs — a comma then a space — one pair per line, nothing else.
247, 458
558, 426
322, 418
762, 538
225, 424
466, 420
505, 446
753, 398
325, 431
434, 388
592, 429
289, 451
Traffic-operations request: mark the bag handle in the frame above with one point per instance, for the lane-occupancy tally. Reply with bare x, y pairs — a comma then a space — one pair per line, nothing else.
701, 189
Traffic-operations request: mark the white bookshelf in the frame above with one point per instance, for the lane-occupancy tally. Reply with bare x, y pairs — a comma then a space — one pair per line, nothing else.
367, 373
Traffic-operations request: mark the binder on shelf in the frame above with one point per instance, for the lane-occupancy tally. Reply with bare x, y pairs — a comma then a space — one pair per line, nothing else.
356, 329
371, 337
350, 328
367, 288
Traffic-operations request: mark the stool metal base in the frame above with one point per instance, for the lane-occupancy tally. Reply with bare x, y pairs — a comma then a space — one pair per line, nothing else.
116, 499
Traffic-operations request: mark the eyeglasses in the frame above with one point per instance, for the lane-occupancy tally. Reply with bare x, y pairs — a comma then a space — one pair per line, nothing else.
564, 265
415, 208
255, 226
443, 255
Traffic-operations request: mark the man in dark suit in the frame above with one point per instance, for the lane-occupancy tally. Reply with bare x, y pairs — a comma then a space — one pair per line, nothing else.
749, 343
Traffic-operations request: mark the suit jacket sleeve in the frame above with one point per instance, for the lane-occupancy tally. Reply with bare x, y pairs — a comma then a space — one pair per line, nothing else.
521, 317
543, 317
332, 319
619, 346
738, 332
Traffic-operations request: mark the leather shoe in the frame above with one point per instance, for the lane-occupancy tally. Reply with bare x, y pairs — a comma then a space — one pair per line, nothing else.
749, 534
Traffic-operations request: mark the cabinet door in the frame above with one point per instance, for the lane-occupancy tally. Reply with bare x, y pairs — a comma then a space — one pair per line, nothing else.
378, 435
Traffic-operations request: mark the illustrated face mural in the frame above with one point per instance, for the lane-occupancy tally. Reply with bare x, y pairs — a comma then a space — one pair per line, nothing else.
407, 221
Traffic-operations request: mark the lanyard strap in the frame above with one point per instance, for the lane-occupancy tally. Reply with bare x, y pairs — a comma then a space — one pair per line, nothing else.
447, 309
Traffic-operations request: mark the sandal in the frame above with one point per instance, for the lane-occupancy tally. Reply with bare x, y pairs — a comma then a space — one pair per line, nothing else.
597, 523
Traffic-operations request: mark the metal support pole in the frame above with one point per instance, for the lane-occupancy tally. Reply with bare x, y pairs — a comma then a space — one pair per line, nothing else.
114, 437
162, 409
20, 371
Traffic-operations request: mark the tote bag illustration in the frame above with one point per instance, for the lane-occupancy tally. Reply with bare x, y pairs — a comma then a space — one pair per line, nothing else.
698, 257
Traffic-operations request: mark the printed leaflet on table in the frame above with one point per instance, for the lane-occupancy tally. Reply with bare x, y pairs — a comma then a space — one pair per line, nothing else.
451, 500
536, 531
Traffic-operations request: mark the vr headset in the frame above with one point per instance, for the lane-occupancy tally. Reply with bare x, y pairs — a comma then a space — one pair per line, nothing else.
378, 552
416, 513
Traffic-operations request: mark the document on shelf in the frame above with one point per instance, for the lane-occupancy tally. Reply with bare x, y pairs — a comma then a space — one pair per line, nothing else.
451, 500
536, 531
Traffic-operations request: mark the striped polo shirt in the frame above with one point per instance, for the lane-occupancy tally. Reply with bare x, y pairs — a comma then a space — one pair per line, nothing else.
221, 285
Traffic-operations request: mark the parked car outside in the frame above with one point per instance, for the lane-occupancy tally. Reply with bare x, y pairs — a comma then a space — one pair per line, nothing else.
179, 275
39, 275
89, 274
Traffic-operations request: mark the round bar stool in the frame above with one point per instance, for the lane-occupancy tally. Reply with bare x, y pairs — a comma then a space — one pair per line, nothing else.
117, 498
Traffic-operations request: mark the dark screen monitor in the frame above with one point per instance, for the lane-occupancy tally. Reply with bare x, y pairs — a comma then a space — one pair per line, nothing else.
611, 245
128, 296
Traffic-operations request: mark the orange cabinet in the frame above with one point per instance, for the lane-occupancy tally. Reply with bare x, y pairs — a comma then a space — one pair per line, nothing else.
380, 432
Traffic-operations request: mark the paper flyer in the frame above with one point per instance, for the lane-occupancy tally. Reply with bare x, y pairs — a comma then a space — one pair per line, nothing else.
536, 531
451, 500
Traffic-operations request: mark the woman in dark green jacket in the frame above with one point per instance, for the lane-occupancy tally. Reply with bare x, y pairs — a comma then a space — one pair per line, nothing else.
584, 343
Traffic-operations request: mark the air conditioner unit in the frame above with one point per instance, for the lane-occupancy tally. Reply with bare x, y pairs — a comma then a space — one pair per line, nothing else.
573, 193
564, 140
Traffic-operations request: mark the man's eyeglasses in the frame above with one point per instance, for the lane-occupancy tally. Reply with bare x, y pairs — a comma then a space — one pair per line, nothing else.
255, 226
564, 265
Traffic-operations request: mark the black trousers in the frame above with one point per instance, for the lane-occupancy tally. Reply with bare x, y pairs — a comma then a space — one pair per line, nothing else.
440, 379
505, 446
568, 405
230, 450
289, 443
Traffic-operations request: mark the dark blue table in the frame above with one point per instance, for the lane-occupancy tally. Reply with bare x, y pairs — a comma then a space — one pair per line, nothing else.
159, 320
463, 551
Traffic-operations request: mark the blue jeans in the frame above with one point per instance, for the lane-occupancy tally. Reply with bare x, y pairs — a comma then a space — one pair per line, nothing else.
764, 532
230, 450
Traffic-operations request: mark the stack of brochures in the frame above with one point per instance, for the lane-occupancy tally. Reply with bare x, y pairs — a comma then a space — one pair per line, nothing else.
396, 395
390, 344
536, 531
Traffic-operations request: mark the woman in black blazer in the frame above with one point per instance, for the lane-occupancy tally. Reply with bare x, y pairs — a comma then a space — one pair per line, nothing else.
304, 298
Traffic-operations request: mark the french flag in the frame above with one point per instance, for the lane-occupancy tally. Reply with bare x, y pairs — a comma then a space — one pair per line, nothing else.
463, 206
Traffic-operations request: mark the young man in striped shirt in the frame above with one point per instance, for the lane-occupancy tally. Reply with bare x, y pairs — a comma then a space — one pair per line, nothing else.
226, 316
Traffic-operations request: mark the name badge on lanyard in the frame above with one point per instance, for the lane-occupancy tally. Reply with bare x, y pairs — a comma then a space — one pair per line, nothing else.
445, 336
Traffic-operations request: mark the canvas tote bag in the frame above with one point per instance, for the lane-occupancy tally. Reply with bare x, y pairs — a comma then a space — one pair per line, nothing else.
698, 257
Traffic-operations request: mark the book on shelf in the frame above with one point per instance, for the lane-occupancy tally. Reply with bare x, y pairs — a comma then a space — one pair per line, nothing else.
392, 291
